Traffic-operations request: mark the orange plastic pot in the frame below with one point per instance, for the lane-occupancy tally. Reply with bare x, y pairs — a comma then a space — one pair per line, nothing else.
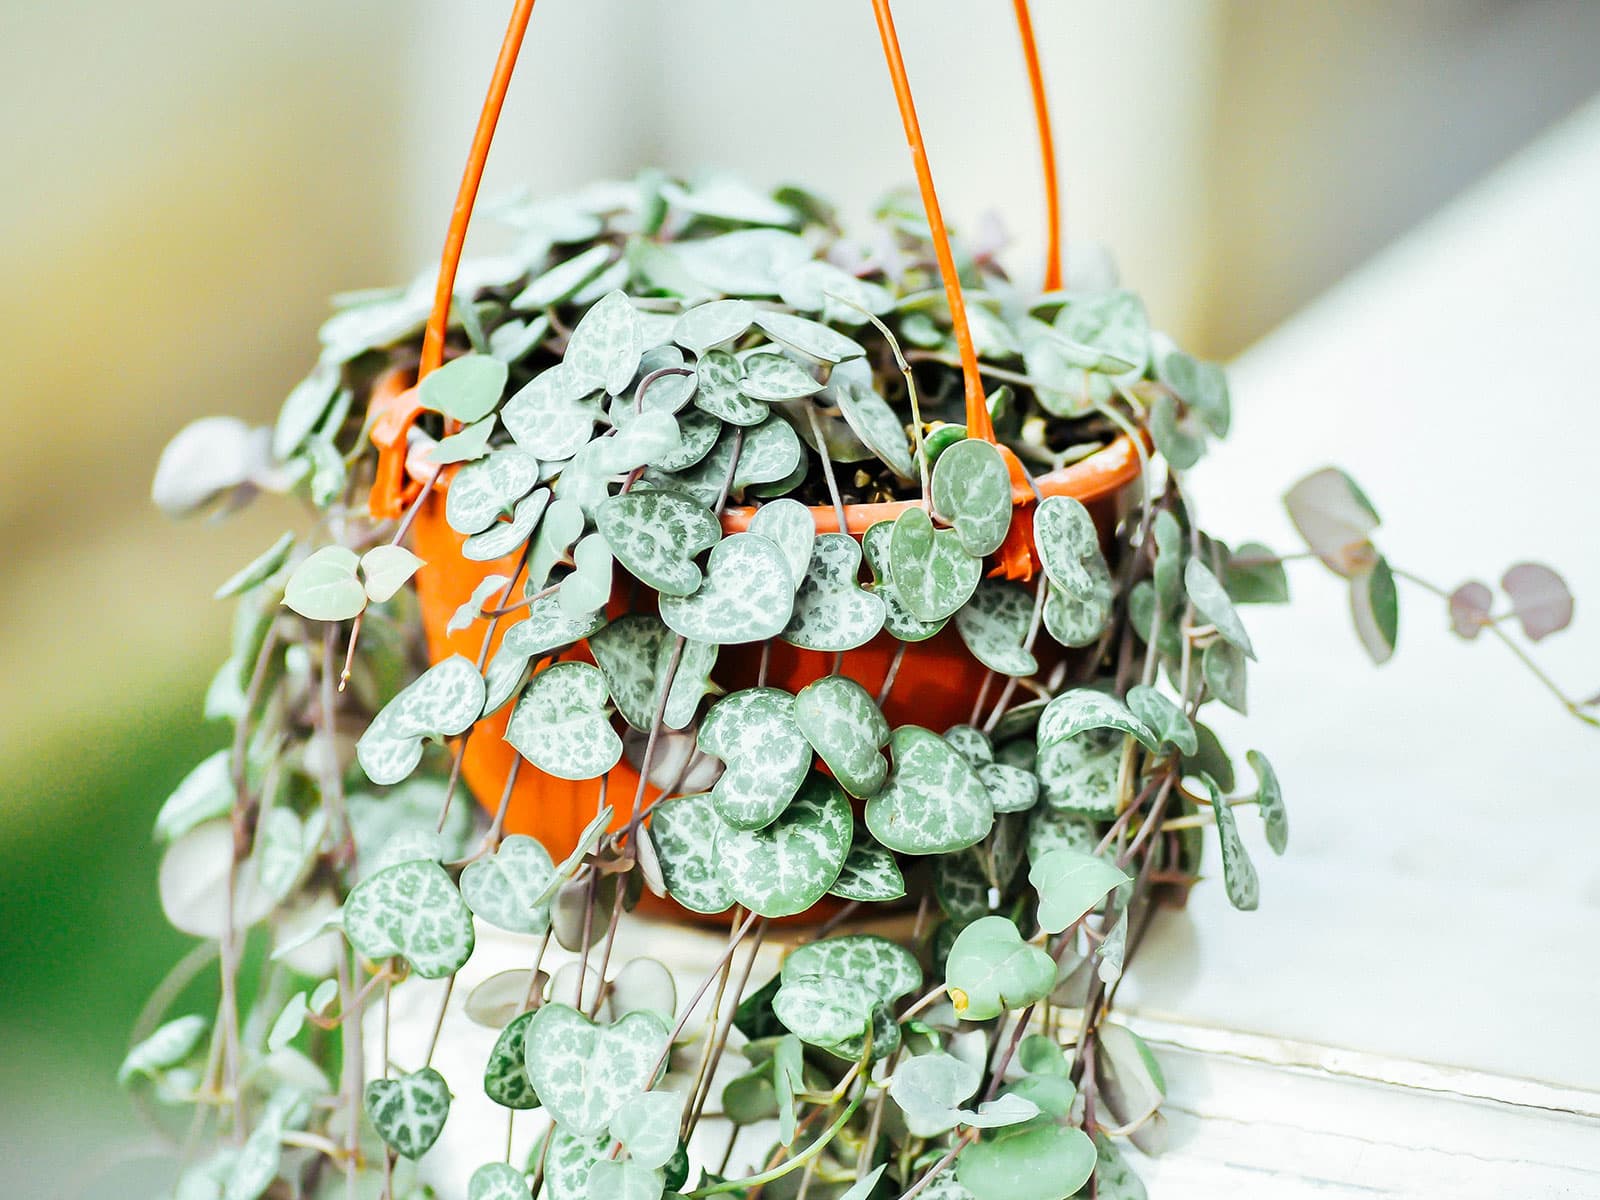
936, 685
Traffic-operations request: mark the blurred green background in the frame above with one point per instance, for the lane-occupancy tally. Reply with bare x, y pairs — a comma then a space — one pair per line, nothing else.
188, 183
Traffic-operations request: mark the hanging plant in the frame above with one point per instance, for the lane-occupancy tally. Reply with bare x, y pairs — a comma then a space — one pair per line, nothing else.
688, 540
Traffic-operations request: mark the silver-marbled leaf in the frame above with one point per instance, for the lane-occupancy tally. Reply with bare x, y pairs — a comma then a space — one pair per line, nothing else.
747, 594
832, 611
994, 625
510, 889
787, 866
846, 728
554, 413
933, 801
932, 572
485, 490
718, 377
808, 338
412, 910
898, 618
767, 757
656, 536
441, 702
560, 723
972, 489
584, 1072
505, 1076
684, 833
887, 969
789, 525
716, 323
409, 1112
605, 345
869, 874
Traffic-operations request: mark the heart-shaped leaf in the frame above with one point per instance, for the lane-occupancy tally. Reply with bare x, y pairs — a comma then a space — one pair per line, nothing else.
560, 723
168, 1046
408, 1112
554, 413
1113, 323
505, 537
505, 1077
324, 586
697, 434
746, 596
898, 619
634, 652
932, 573
489, 488
933, 802
684, 835
562, 524
768, 452
1052, 829
1072, 712
1040, 1162
713, 324
832, 612
788, 525
719, 377
1114, 1179
385, 570
754, 733
1011, 789
647, 1127
787, 866
1238, 872
1070, 883
1375, 609
824, 1010
510, 889
604, 348
994, 625
413, 910
990, 969
1164, 718
498, 1181
1211, 599
1226, 671
810, 339
870, 874
930, 1089
588, 586
972, 744
1334, 517
877, 425
466, 389
583, 1072
1079, 604
886, 969
657, 536
1539, 597
1079, 773
1131, 1080
568, 1162
846, 728
671, 384
819, 286
972, 489
441, 702
1269, 801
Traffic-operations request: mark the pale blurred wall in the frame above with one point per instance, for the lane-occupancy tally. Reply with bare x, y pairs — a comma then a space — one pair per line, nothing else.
184, 184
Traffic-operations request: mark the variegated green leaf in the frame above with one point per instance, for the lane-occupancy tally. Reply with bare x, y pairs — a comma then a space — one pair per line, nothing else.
1079, 604
824, 1010
510, 889
972, 489
933, 574
413, 910
754, 733
498, 1181
684, 833
971, 743
1114, 323
489, 488
554, 413
647, 1127
503, 537
667, 393
1238, 872
831, 610
869, 414
716, 323
1011, 789
898, 618
646, 437
870, 874
771, 376
1211, 599
1226, 671
788, 525
587, 586
1072, 712
633, 653
810, 339
441, 702
933, 801
1052, 828
560, 725
1079, 773
786, 867
409, 1112
846, 728
604, 348
886, 969
168, 1046
719, 375
994, 625
697, 434
840, 297
1269, 801
505, 1077
1164, 718
562, 280
746, 596
656, 536
562, 525
584, 1072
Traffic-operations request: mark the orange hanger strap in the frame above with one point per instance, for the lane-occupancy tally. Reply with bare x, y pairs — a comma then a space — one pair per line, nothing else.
456, 238
1047, 149
978, 423
393, 410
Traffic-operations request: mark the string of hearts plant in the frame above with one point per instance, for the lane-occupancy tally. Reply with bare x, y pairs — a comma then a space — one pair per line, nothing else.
695, 555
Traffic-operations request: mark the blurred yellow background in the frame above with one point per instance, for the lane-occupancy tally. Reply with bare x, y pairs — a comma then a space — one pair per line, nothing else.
187, 182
